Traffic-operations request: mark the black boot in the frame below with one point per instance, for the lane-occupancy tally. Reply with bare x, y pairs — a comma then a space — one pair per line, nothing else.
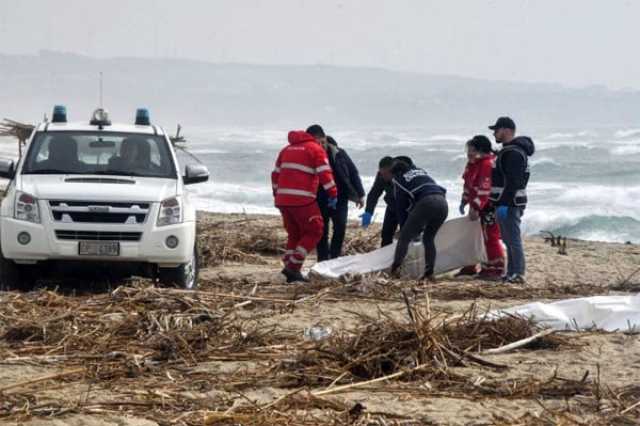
294, 276
395, 270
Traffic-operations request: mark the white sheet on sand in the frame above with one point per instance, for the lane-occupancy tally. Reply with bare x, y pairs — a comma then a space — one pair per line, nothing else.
459, 243
609, 313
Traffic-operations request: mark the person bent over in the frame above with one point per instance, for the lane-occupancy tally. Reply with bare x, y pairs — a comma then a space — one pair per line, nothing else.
300, 168
421, 207
382, 184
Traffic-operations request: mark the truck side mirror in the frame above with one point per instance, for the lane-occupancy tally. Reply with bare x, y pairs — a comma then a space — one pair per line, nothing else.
195, 173
7, 169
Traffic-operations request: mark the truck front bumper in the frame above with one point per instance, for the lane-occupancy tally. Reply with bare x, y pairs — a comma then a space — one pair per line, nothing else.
45, 245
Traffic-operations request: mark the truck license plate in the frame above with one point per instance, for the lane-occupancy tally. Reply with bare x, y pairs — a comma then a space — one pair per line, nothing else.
99, 248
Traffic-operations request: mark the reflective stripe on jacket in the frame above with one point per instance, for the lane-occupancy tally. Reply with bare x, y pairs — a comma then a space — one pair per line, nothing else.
300, 168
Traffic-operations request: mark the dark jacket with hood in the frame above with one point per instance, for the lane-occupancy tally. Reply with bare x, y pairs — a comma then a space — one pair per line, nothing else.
380, 186
346, 175
410, 187
511, 173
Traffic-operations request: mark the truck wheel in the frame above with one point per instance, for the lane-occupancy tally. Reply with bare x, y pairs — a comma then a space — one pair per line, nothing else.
184, 276
12, 276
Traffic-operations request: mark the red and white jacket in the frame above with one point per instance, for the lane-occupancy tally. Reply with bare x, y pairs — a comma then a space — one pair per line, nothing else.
477, 182
300, 168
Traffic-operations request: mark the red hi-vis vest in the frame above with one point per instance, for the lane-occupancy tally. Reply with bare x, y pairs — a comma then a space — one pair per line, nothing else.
300, 167
477, 182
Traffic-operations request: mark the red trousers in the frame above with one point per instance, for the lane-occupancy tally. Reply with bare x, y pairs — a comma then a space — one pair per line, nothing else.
493, 243
304, 226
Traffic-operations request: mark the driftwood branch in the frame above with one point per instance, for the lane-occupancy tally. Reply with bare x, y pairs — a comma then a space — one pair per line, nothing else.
518, 344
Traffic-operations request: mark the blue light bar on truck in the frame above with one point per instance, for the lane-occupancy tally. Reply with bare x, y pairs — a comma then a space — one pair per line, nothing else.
142, 117
59, 114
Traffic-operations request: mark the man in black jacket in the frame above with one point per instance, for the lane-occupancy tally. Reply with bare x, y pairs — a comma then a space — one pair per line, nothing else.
349, 189
382, 184
509, 192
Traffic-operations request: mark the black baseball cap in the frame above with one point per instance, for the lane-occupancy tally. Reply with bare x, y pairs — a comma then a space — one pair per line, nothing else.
504, 123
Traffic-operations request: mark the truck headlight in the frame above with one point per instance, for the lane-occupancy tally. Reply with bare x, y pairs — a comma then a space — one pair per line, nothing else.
26, 207
170, 212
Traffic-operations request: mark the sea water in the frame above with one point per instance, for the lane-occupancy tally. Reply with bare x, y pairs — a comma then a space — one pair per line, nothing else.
585, 183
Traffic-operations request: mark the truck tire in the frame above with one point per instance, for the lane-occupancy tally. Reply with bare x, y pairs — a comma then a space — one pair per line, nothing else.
13, 276
184, 276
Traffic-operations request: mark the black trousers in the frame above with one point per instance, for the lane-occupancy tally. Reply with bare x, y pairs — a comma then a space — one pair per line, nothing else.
338, 218
427, 216
389, 226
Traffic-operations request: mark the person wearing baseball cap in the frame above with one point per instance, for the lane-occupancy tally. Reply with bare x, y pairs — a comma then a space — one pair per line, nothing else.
510, 178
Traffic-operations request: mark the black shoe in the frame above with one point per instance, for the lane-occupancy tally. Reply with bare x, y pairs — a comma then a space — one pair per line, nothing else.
429, 277
395, 270
294, 276
516, 279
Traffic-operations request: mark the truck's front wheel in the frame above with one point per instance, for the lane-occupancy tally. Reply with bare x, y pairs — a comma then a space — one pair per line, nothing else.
12, 276
184, 276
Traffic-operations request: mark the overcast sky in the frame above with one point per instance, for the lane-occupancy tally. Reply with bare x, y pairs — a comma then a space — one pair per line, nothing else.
574, 42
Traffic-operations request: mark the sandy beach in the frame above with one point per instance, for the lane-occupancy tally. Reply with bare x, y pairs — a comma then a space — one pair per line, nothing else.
235, 352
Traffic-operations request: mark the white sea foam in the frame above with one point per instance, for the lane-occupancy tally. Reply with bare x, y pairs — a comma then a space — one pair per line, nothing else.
625, 133
626, 150
544, 161
450, 137
568, 135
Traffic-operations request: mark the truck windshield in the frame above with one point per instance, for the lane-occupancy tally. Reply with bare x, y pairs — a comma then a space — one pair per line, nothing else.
99, 153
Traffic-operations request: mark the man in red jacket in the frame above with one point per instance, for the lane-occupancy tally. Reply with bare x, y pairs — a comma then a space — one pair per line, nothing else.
300, 168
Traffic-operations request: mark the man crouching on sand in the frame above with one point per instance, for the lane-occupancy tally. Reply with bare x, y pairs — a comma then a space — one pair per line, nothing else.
300, 168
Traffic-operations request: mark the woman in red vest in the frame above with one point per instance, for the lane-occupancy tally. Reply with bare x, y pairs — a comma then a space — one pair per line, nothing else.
477, 187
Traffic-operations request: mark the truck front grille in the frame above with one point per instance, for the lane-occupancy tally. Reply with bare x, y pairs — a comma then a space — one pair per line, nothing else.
99, 212
98, 235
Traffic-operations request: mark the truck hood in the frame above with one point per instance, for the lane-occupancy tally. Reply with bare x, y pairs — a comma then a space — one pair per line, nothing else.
97, 188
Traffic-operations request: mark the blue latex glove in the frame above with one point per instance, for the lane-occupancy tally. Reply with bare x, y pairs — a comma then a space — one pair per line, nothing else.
462, 206
502, 212
366, 219
332, 203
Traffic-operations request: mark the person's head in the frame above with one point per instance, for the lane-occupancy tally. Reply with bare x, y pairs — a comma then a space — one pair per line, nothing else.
332, 141
129, 150
135, 151
317, 132
478, 147
401, 165
384, 168
63, 150
404, 159
504, 130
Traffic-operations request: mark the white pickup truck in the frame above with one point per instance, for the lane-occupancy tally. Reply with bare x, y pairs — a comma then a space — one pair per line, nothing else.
97, 193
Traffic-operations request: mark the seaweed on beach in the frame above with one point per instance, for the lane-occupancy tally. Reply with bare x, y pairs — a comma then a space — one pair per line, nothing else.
427, 344
244, 240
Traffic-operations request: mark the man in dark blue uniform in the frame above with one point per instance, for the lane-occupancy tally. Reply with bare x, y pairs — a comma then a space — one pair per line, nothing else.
421, 206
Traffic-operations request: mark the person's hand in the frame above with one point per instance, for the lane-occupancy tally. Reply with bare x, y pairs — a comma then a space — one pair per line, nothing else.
474, 215
360, 203
463, 204
332, 203
502, 212
366, 219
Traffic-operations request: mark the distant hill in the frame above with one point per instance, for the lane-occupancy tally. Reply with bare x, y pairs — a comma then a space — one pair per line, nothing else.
200, 93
